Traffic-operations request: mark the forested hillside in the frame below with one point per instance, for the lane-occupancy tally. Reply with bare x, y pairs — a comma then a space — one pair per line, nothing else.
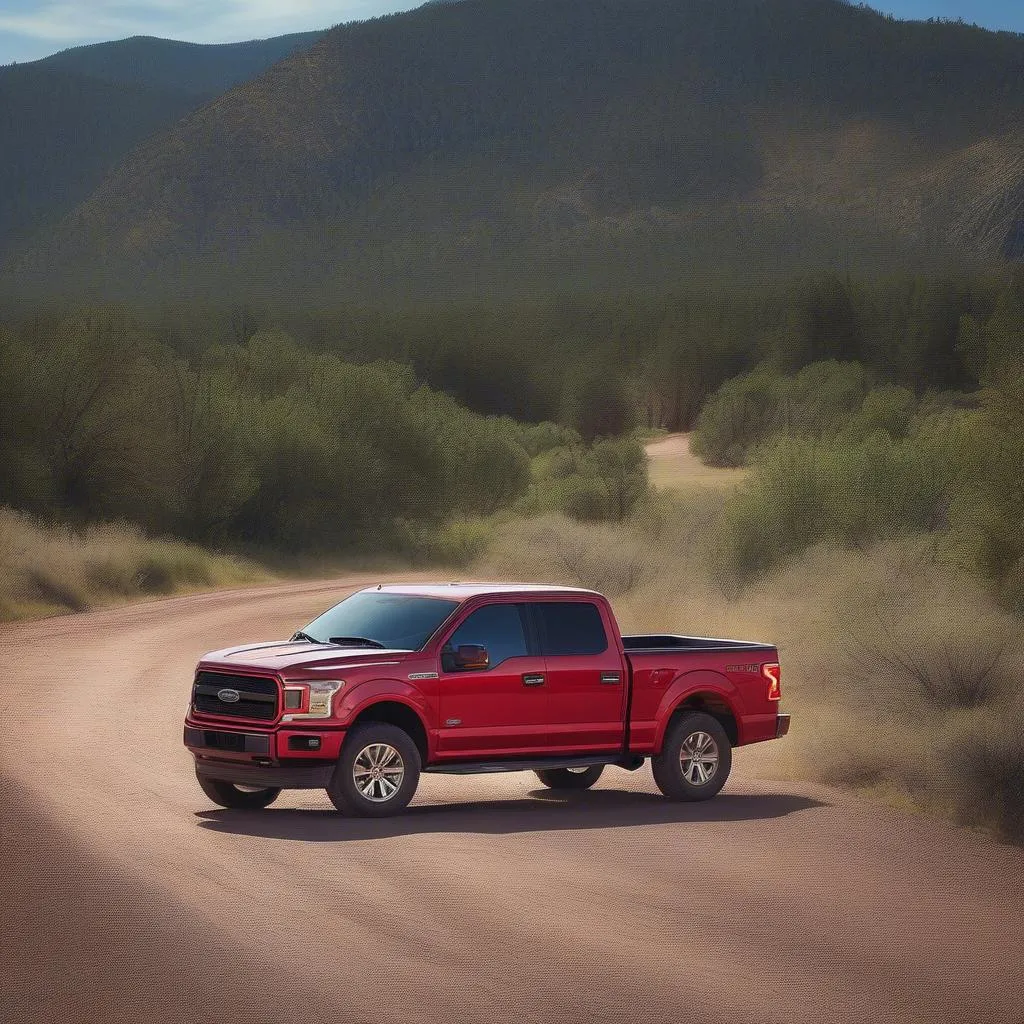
66, 120
510, 146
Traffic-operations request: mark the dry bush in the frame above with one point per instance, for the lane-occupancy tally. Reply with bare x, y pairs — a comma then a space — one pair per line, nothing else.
920, 628
953, 671
48, 568
984, 772
556, 549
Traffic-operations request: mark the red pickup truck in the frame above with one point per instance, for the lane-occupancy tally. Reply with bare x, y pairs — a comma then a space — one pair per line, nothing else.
465, 678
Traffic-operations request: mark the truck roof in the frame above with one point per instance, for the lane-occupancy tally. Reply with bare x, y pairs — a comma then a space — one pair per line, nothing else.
463, 591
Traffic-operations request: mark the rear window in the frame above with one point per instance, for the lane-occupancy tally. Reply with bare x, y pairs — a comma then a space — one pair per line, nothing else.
569, 627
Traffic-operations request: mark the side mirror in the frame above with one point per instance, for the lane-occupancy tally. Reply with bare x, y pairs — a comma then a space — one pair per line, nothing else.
468, 656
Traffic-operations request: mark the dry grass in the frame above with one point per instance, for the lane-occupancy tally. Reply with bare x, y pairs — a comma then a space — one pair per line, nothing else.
903, 675
46, 569
611, 558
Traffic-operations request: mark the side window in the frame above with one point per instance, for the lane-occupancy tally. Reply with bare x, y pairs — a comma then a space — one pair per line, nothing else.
498, 627
570, 627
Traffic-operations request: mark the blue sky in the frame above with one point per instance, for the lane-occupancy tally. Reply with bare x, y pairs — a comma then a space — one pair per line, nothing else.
30, 29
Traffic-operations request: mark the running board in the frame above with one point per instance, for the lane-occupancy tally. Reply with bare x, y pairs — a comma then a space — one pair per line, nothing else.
529, 764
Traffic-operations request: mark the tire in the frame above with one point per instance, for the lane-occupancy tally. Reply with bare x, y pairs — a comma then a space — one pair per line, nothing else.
227, 794
570, 778
357, 789
695, 746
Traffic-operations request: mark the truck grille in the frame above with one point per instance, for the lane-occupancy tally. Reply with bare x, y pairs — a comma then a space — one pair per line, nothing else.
257, 697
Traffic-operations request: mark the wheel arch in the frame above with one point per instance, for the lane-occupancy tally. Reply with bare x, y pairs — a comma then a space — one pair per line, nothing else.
704, 691
396, 712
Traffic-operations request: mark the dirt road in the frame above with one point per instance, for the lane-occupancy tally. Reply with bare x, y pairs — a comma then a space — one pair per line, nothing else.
126, 896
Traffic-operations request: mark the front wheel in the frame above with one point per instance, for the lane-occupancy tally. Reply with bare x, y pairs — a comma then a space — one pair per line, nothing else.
243, 798
570, 778
377, 773
695, 758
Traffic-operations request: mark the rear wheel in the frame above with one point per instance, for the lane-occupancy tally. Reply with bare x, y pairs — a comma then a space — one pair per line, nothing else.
695, 759
227, 794
377, 773
570, 778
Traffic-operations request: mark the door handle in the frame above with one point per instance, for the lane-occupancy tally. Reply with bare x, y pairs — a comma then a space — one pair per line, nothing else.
533, 680
611, 678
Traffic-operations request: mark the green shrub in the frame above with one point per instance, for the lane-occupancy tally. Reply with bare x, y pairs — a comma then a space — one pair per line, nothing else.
780, 511
740, 413
267, 442
454, 544
802, 491
749, 410
990, 510
538, 438
888, 409
603, 481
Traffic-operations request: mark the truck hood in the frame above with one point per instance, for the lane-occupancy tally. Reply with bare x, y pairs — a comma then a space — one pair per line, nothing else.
287, 656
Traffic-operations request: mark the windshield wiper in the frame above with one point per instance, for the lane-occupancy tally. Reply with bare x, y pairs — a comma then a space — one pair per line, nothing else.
357, 641
305, 636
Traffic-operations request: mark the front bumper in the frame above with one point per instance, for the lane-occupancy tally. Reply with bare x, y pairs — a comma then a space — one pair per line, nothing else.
262, 758
781, 726
314, 775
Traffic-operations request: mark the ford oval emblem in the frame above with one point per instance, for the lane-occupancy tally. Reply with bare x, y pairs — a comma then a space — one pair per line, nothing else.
229, 696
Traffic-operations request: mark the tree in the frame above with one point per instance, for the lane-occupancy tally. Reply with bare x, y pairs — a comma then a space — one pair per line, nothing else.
822, 323
598, 401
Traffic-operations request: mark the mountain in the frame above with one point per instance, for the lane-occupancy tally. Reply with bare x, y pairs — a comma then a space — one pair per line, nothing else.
206, 69
67, 120
510, 146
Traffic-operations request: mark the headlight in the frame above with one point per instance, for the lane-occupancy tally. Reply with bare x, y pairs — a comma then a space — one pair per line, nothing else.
311, 699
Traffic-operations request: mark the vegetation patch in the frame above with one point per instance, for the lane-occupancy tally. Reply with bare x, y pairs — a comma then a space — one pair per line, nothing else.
46, 569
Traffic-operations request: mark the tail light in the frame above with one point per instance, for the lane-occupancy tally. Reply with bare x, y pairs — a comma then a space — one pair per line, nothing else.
773, 673
310, 700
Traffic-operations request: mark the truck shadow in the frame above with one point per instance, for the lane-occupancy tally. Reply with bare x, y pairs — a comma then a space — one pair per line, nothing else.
595, 809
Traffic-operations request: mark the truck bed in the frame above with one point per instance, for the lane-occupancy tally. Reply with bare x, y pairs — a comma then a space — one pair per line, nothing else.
673, 642
731, 683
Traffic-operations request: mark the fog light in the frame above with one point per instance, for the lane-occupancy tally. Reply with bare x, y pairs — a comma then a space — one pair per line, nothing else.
303, 742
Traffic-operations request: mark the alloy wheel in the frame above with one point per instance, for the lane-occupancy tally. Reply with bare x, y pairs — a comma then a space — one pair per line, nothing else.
698, 758
378, 772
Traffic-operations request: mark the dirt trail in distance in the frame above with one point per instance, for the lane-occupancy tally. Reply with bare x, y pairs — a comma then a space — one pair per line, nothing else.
672, 463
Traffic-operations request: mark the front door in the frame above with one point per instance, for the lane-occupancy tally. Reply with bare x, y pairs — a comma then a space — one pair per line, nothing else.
499, 711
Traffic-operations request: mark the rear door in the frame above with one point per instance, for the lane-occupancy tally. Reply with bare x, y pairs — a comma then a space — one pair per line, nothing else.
500, 711
584, 675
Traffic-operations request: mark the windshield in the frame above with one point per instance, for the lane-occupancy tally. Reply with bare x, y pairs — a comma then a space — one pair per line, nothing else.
399, 621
